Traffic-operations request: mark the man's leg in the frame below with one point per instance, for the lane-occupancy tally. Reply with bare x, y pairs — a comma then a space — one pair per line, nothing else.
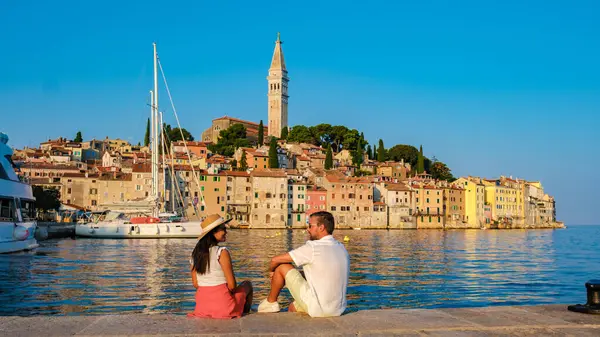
278, 281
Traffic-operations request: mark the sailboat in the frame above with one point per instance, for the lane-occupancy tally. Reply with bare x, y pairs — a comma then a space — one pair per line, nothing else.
117, 224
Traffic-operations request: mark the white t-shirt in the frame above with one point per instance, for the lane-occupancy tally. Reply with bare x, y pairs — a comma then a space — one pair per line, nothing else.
213, 276
326, 267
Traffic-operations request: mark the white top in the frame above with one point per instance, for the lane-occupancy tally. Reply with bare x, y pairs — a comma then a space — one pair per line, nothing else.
326, 267
214, 275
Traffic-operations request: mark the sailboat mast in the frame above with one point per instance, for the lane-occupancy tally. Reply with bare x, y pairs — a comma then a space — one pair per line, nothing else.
156, 136
152, 137
164, 151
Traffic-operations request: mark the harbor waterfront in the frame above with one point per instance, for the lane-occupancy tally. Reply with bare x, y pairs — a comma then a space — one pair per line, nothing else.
542, 320
389, 269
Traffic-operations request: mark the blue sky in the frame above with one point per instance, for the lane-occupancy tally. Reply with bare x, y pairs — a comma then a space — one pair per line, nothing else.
488, 87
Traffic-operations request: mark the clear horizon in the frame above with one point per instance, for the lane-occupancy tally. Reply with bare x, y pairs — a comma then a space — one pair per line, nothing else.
489, 89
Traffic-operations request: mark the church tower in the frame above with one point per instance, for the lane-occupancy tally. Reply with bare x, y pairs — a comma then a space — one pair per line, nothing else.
278, 92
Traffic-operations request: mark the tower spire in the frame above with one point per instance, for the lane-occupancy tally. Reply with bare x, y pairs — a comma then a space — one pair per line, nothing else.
278, 62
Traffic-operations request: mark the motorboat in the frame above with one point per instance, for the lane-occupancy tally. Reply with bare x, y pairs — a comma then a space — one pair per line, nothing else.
17, 206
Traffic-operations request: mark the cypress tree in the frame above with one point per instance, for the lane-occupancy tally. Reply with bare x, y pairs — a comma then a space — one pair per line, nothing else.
147, 136
234, 165
421, 161
374, 154
78, 137
369, 152
273, 160
284, 132
357, 156
261, 134
329, 159
243, 162
381, 152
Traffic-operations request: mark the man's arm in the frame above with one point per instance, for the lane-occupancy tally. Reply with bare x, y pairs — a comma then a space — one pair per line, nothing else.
280, 259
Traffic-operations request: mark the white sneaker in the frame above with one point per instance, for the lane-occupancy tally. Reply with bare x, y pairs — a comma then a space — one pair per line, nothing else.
266, 306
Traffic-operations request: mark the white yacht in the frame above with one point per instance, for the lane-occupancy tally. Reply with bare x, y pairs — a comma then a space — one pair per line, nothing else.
142, 219
17, 210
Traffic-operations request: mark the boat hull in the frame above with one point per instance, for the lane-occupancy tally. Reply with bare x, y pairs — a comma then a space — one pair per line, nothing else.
8, 243
139, 231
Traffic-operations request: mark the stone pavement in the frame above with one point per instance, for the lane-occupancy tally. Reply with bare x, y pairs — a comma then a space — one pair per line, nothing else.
545, 320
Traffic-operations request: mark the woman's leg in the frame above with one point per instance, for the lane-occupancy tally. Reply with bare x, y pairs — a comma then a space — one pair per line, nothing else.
249, 291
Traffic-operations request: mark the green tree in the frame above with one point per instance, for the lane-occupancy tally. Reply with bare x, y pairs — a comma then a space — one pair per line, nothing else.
351, 140
337, 134
321, 134
234, 165
408, 153
243, 162
300, 134
230, 140
147, 135
329, 158
369, 152
440, 171
46, 198
381, 152
261, 134
421, 161
284, 132
78, 137
357, 154
374, 152
273, 160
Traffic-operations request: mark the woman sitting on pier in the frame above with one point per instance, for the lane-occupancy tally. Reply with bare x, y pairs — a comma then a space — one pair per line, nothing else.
217, 295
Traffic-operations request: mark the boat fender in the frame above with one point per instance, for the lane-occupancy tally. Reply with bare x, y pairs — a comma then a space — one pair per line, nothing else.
20, 233
41, 233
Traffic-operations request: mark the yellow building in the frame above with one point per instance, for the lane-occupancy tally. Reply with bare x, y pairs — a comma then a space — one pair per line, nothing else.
474, 200
503, 201
428, 204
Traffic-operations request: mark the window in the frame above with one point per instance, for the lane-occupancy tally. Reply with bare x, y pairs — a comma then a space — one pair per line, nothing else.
137, 188
94, 203
333, 208
69, 190
27, 210
298, 217
256, 194
222, 208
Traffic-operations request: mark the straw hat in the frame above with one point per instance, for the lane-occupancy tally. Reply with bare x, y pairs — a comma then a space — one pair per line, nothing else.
211, 222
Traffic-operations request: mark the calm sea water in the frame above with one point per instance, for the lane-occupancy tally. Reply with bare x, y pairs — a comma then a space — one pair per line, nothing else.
390, 269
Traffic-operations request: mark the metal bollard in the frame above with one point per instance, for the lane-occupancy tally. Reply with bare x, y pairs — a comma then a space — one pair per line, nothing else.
593, 299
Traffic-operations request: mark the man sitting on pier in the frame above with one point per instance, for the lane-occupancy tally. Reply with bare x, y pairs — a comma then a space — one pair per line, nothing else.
326, 266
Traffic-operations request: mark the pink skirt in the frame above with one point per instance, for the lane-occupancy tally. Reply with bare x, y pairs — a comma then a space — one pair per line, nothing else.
218, 302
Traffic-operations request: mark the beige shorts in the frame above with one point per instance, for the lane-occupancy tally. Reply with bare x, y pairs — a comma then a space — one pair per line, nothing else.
299, 289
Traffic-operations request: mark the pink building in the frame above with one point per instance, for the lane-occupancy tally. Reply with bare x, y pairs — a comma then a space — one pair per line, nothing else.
316, 199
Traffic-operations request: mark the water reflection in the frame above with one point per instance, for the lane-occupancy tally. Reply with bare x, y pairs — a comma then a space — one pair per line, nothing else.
389, 269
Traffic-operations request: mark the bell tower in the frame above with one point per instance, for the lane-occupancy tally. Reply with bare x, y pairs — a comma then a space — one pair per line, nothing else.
277, 92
